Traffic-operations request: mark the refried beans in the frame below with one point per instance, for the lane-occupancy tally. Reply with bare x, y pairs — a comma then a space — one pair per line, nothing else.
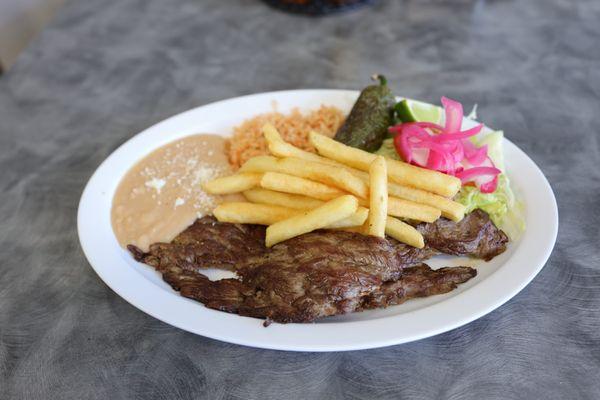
161, 195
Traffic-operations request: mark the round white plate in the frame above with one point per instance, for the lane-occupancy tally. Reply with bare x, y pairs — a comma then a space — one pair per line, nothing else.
497, 281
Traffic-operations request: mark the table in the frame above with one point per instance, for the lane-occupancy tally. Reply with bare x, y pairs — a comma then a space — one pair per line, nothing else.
105, 70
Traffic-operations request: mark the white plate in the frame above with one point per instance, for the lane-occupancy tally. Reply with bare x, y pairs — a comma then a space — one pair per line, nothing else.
140, 285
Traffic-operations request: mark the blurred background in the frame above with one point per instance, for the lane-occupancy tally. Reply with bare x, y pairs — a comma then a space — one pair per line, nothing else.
20, 21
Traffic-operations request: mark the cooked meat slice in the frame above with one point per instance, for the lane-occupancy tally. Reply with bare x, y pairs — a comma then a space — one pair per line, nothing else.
315, 275
331, 251
318, 274
206, 243
300, 280
314, 300
418, 281
312, 275
475, 235
411, 255
224, 295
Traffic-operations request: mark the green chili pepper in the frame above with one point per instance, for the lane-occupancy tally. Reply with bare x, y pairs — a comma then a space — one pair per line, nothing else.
372, 114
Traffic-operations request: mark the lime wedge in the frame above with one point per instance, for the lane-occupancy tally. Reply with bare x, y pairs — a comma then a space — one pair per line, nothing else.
416, 111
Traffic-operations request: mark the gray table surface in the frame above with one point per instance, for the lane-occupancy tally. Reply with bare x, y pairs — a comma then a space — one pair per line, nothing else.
105, 70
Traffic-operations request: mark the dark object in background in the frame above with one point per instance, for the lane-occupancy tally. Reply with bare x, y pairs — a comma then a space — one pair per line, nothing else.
371, 116
317, 7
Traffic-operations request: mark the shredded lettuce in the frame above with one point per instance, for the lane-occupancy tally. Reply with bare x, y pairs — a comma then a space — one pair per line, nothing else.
493, 140
505, 211
473, 113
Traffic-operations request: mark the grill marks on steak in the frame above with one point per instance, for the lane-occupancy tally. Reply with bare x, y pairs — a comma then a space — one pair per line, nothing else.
475, 235
206, 243
318, 274
418, 281
241, 297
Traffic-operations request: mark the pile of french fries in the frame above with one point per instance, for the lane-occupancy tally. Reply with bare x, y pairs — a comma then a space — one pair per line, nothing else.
295, 191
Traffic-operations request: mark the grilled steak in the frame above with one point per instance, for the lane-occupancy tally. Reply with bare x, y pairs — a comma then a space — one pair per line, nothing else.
206, 243
417, 281
295, 296
318, 274
475, 235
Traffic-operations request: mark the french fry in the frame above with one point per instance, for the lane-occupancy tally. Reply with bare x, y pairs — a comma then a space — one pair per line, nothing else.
250, 213
324, 173
411, 210
407, 209
295, 185
233, 183
260, 164
304, 164
398, 171
302, 193
308, 221
268, 214
378, 197
278, 147
334, 150
364, 176
265, 196
321, 172
404, 233
355, 220
422, 178
450, 209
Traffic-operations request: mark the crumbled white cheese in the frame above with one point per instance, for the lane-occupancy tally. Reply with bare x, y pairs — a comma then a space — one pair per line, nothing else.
204, 173
178, 202
156, 184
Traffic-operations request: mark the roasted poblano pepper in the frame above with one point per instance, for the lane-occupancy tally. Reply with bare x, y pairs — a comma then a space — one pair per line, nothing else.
372, 114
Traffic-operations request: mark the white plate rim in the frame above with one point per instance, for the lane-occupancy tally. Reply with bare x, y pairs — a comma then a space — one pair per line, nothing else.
534, 247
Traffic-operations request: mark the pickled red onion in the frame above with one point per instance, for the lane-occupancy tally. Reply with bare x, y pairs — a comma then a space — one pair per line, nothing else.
489, 187
430, 125
468, 175
459, 135
474, 155
454, 114
447, 149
